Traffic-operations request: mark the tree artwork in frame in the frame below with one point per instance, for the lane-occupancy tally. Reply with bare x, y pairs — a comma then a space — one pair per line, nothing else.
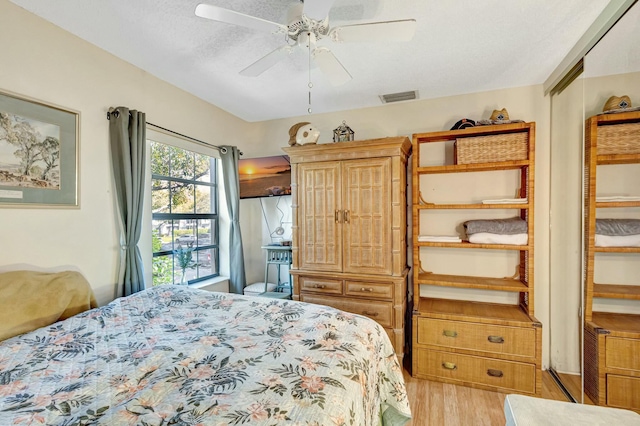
38, 153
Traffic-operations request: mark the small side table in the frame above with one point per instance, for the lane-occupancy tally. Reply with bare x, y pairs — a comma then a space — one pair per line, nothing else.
278, 255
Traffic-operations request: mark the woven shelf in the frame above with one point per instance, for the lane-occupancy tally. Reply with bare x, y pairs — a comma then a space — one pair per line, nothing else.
477, 206
616, 204
480, 167
616, 249
626, 323
452, 135
467, 245
616, 291
461, 310
462, 281
618, 159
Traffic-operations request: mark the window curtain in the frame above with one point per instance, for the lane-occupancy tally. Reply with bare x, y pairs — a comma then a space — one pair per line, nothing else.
230, 156
127, 135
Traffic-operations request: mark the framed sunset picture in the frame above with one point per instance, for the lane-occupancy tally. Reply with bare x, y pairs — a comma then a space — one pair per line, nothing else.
264, 176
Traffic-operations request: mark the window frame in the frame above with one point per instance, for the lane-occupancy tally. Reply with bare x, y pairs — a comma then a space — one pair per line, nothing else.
173, 217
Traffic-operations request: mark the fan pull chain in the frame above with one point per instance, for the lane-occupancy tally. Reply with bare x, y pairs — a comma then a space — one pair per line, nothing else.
310, 85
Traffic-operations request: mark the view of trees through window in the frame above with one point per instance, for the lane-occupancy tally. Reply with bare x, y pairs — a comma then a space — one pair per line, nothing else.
184, 201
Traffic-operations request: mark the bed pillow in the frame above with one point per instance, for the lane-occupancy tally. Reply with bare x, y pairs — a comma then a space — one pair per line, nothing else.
31, 300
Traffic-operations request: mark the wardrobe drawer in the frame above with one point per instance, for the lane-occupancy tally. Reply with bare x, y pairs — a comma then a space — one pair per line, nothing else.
381, 312
320, 285
623, 391
365, 289
622, 353
477, 337
505, 375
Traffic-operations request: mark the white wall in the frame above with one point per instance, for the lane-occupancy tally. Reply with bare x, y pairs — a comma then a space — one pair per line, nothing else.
259, 217
41, 61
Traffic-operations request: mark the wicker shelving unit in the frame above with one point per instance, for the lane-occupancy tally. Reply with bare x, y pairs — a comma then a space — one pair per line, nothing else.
493, 346
612, 340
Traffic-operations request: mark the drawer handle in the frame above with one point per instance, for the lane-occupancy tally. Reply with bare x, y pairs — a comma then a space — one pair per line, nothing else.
449, 365
370, 290
449, 333
370, 314
496, 339
318, 286
494, 373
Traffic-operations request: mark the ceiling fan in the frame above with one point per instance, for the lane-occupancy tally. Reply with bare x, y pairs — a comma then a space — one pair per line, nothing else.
308, 22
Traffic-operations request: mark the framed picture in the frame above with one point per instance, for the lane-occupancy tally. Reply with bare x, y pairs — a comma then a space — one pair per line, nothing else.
38, 153
265, 176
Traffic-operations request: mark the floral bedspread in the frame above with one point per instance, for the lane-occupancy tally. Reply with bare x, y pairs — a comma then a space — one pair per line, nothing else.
173, 355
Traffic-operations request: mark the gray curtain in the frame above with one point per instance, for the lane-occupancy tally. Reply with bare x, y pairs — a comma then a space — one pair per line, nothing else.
127, 135
230, 156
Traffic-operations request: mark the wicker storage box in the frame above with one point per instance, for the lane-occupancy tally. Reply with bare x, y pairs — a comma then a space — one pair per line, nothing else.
619, 139
492, 148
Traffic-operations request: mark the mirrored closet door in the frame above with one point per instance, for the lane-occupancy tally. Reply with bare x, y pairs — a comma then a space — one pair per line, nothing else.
612, 216
586, 280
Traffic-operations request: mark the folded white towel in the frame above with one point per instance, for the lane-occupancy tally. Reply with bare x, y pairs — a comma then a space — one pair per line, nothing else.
617, 240
506, 201
439, 239
618, 198
488, 238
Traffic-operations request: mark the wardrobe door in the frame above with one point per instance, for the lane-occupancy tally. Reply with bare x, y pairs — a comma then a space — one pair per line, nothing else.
367, 216
320, 216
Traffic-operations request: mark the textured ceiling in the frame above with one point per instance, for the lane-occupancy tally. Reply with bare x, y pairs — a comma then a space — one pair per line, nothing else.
461, 46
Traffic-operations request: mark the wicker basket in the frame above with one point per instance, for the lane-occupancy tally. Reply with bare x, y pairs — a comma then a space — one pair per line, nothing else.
619, 139
492, 148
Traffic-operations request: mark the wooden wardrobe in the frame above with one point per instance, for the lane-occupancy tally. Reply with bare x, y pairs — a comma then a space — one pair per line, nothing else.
349, 229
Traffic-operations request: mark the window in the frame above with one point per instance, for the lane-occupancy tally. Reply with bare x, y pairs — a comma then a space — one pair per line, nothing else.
184, 197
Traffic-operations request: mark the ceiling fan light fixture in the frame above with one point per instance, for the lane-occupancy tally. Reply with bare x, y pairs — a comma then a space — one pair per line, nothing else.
398, 97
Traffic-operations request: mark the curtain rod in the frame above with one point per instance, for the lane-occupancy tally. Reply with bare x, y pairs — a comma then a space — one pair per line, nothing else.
221, 149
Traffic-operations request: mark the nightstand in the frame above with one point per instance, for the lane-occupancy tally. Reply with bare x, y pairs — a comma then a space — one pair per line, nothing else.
278, 255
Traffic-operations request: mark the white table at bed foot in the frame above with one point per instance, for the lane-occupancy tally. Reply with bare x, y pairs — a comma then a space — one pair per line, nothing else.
520, 410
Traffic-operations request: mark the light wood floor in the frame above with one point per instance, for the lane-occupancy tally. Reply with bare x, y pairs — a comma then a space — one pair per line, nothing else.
573, 383
441, 404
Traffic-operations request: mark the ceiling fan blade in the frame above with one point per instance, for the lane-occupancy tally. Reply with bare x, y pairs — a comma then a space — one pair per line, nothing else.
317, 9
402, 30
230, 17
331, 66
266, 62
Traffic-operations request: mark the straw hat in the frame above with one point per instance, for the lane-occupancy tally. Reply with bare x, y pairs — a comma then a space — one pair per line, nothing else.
617, 104
499, 116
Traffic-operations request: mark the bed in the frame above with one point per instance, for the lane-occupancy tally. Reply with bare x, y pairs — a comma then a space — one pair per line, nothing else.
173, 355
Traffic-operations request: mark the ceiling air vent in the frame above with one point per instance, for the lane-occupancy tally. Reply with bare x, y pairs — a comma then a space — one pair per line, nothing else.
397, 97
